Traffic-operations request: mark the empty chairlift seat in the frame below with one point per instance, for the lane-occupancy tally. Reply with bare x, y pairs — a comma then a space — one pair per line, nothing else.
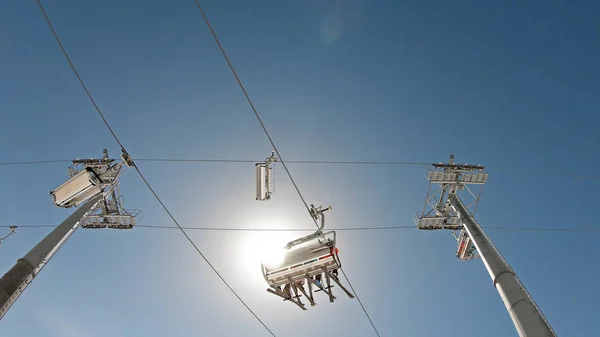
466, 248
264, 178
79, 188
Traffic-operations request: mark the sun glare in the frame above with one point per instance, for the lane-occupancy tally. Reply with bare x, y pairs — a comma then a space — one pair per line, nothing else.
272, 258
265, 248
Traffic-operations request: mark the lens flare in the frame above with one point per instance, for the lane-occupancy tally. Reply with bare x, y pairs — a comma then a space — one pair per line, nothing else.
272, 257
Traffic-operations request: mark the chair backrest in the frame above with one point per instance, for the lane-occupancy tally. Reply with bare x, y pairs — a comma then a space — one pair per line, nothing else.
304, 258
76, 190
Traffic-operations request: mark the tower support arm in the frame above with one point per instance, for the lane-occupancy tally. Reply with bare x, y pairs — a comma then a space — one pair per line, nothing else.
525, 314
14, 282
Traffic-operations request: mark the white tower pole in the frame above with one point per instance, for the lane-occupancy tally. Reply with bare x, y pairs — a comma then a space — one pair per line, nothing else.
14, 282
525, 314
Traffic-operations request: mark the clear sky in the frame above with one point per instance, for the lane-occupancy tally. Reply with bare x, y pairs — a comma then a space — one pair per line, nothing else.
508, 84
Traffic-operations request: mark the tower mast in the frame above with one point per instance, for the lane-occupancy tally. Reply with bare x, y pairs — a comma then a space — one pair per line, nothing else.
447, 211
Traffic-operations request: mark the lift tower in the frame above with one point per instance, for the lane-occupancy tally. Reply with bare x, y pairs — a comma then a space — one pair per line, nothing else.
92, 183
444, 209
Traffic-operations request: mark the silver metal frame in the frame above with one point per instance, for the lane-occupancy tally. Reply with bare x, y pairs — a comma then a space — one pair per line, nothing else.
450, 178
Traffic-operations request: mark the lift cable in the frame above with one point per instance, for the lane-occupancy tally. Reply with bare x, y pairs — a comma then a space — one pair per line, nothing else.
176, 160
289, 161
355, 229
586, 177
77, 74
358, 299
368, 229
35, 162
140, 173
267, 133
237, 78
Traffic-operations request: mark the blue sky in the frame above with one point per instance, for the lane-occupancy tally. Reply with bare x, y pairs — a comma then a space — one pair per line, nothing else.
510, 85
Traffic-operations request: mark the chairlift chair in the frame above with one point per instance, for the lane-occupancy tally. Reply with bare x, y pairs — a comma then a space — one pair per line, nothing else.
302, 260
264, 178
466, 247
303, 257
79, 188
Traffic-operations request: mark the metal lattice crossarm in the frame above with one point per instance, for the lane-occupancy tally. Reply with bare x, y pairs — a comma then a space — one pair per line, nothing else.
445, 179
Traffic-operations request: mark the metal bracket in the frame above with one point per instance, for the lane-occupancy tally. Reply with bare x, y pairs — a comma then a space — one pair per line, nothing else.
12, 232
272, 158
319, 212
316, 211
126, 158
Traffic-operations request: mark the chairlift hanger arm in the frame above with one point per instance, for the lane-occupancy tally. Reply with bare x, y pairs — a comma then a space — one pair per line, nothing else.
272, 158
315, 212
